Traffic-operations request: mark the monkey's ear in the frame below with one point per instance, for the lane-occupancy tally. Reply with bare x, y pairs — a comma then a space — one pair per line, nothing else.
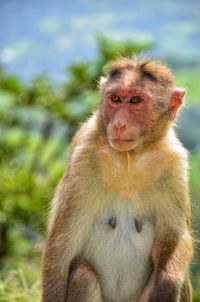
176, 101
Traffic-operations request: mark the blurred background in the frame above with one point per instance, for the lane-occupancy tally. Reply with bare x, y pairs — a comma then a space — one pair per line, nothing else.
51, 56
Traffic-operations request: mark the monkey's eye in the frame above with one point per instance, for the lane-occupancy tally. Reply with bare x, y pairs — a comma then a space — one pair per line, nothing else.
115, 99
135, 100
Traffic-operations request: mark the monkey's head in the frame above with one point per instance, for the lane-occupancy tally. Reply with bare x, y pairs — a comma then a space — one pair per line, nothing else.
139, 102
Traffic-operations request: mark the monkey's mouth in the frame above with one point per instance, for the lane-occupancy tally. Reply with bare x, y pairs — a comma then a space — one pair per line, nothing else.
119, 140
123, 144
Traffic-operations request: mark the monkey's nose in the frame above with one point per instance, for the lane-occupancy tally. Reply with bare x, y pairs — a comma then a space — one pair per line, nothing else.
119, 126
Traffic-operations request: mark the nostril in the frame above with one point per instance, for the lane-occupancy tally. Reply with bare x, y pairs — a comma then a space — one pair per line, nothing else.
119, 126
118, 129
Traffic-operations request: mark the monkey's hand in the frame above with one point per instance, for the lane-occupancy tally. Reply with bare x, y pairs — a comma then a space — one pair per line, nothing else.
171, 256
173, 246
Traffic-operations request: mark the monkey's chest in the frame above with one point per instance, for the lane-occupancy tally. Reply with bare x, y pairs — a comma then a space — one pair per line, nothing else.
119, 248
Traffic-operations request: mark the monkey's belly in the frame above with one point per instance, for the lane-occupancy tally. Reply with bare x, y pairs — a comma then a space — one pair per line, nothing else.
119, 249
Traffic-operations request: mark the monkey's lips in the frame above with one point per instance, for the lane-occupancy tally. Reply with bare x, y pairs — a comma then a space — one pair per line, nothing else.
123, 144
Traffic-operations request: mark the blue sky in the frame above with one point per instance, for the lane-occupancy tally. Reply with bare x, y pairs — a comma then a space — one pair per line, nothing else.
47, 35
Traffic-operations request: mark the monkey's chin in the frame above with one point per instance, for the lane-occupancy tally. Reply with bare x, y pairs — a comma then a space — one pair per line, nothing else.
123, 145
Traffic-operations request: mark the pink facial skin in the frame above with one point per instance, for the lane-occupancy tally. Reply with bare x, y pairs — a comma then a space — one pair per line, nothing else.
125, 119
127, 122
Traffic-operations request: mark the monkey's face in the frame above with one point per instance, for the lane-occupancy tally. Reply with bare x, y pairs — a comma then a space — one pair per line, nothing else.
136, 115
127, 114
139, 102
124, 112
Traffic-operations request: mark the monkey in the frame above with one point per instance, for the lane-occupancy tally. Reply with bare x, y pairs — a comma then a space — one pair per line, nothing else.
120, 223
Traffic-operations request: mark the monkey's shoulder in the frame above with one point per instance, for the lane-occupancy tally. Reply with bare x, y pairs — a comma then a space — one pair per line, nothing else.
177, 157
84, 144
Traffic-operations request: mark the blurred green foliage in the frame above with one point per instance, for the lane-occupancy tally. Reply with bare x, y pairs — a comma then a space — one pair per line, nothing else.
21, 284
37, 123
189, 78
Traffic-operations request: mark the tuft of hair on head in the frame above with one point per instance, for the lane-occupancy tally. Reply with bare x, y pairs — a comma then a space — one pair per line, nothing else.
150, 68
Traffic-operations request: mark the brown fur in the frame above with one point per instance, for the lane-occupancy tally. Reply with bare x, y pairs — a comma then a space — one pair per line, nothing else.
83, 283
156, 69
152, 180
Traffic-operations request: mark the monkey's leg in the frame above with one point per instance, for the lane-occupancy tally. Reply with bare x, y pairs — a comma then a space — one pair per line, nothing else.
83, 285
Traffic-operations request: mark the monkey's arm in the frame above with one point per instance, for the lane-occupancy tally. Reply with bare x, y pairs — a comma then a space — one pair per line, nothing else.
69, 224
173, 246
171, 255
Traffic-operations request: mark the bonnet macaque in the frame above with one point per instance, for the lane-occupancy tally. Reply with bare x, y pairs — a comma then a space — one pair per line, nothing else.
119, 229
